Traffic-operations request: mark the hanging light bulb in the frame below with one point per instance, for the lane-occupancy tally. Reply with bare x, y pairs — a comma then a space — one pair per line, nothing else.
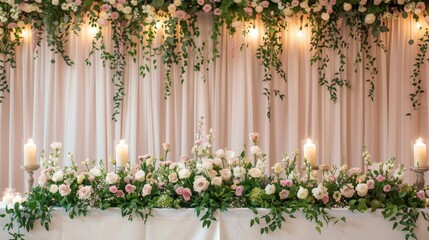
300, 33
418, 25
253, 32
24, 33
92, 31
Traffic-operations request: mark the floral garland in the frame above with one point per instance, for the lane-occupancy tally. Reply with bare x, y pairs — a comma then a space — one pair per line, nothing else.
209, 182
134, 24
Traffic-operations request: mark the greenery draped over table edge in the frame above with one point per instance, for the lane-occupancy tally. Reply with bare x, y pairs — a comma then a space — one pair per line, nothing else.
135, 24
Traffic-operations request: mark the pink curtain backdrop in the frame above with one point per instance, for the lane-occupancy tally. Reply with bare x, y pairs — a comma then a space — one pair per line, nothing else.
73, 105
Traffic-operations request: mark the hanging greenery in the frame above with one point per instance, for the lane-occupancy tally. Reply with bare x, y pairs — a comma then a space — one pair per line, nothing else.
134, 24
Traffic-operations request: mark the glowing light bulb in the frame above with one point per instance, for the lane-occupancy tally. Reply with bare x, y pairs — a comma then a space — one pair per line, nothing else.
158, 24
92, 31
418, 25
24, 33
253, 32
300, 33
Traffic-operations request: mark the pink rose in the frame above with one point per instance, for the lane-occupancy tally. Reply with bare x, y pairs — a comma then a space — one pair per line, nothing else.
421, 6
370, 184
84, 192
332, 2
329, 9
179, 190
325, 199
387, 188
102, 22
421, 195
120, 193
207, 8
323, 2
78, 2
286, 183
113, 189
147, 189
295, 3
363, 2
377, 2
129, 188
248, 10
201, 2
239, 191
283, 194
265, 4
379, 178
427, 19
105, 7
122, 1
12, 25
64, 189
254, 136
186, 193
114, 15
184, 158
217, 11
91, 178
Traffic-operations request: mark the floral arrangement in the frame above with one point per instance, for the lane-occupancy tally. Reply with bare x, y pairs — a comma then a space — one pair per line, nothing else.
209, 182
135, 22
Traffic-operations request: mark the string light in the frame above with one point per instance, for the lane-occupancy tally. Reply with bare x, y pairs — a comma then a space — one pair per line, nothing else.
418, 25
299, 33
92, 31
24, 33
158, 24
253, 32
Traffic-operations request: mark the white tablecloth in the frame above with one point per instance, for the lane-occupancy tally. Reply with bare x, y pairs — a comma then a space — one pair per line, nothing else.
234, 225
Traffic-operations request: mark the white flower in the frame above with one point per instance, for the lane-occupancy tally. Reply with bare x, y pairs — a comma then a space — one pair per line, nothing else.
172, 177
255, 173
172, 8
303, 5
80, 178
55, 2
270, 189
149, 161
362, 9
239, 172
347, 7
408, 8
200, 184
400, 2
140, 176
146, 190
95, 171
256, 150
362, 189
302, 193
288, 12
225, 174
348, 191
58, 176
370, 18
64, 190
56, 145
217, 161
325, 16
127, 10
337, 196
64, 6
259, 9
319, 192
184, 173
166, 147
177, 2
84, 192
217, 181
207, 164
134, 2
277, 168
112, 178
53, 188
317, 8
220, 153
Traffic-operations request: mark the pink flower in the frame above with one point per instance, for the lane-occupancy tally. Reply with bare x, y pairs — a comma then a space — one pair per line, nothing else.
184, 158
286, 183
130, 188
239, 191
114, 15
332, 178
248, 10
377, 2
102, 22
265, 4
64, 190
363, 2
186, 193
283, 194
370, 184
254, 136
122, 1
180, 14
427, 19
421, 6
329, 9
387, 188
421, 195
207, 8
105, 7
179, 190
295, 3
120, 193
379, 178
332, 2
91, 178
113, 189
323, 2
78, 2
217, 11
201, 2
147, 190
325, 199
12, 25
84, 192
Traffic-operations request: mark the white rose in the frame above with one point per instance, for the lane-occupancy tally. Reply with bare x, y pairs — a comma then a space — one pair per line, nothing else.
408, 8
112, 178
58, 176
172, 177
302, 193
270, 189
146, 190
177, 2
217, 161
325, 16
400, 2
225, 174
140, 176
84, 192
80, 178
255, 172
303, 5
287, 11
362, 9
95, 171
207, 164
134, 2
166, 147
256, 150
119, 6
184, 173
347, 7
56, 145
127, 10
277, 168
217, 181
53, 188
200, 184
64, 190
55, 2
220, 153
259, 9
370, 18
417, 11
149, 161
317, 8
362, 189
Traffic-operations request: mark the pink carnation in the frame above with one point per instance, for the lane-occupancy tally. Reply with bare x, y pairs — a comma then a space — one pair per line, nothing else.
265, 4
186, 193
184, 158
332, 2
179, 190
217, 11
130, 188
379, 178
12, 25
113, 189
120, 193
421, 195
239, 191
387, 188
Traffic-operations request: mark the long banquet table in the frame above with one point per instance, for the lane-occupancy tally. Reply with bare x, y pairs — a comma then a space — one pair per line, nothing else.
234, 225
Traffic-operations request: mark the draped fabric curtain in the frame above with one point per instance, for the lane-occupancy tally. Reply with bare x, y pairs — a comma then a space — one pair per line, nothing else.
73, 104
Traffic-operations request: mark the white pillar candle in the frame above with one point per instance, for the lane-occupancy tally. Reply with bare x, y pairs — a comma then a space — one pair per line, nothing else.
30, 153
310, 152
419, 150
121, 153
